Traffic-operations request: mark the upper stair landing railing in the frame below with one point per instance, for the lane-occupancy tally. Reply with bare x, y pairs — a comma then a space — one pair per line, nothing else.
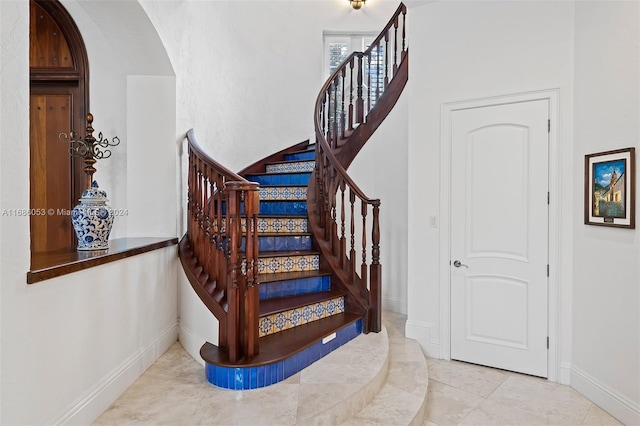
351, 105
222, 207
352, 91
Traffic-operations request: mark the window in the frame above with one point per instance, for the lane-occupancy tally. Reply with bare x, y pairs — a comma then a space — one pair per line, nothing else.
338, 46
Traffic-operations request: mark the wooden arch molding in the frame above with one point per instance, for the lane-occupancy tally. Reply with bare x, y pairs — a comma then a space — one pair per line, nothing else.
59, 102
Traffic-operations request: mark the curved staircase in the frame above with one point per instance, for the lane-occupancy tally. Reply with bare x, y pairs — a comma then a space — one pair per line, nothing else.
286, 253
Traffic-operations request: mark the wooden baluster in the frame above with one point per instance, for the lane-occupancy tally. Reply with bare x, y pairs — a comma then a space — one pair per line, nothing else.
363, 267
335, 246
360, 100
404, 30
395, 45
342, 110
343, 239
378, 72
375, 287
368, 83
328, 113
351, 64
352, 252
335, 132
386, 60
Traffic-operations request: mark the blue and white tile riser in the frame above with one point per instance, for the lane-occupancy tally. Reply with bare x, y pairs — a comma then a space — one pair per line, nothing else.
296, 263
286, 193
242, 378
275, 323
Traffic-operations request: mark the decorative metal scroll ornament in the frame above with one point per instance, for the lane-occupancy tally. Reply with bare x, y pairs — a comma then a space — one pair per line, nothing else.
89, 148
92, 219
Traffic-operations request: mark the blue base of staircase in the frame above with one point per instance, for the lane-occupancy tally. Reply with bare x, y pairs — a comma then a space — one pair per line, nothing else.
241, 378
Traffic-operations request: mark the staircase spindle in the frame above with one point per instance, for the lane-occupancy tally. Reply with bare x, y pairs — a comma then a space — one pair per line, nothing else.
342, 110
368, 83
352, 252
386, 60
360, 100
395, 45
351, 65
343, 239
363, 268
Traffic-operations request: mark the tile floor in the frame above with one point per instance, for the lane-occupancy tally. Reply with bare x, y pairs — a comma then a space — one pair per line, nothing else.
467, 394
173, 389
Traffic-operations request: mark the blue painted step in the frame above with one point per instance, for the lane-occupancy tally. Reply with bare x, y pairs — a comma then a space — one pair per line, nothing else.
281, 242
294, 286
298, 178
303, 155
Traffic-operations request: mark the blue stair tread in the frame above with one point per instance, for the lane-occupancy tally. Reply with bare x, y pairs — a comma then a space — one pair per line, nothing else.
279, 346
297, 275
278, 185
281, 304
288, 253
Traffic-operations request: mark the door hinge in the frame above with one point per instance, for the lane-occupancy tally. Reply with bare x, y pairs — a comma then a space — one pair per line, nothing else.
547, 270
547, 342
549, 125
548, 197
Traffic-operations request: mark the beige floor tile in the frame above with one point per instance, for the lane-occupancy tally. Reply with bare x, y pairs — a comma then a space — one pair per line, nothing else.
471, 378
448, 405
557, 404
596, 416
494, 413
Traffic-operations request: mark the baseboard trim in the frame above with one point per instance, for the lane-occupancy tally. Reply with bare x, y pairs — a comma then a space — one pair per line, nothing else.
191, 343
564, 376
394, 305
421, 332
620, 407
113, 385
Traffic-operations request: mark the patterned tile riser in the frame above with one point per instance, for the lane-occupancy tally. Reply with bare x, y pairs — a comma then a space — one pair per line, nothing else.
295, 167
258, 377
285, 193
281, 179
281, 321
273, 225
276, 264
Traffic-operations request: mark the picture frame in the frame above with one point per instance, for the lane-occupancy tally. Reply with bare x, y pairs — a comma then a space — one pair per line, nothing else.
610, 188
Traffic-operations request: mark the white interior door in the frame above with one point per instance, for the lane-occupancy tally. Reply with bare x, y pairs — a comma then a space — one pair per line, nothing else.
499, 236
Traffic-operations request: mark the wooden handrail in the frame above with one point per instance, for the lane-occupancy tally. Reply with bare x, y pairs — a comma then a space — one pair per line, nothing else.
351, 104
222, 209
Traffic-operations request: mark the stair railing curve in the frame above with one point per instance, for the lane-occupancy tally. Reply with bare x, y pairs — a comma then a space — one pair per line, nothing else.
222, 211
350, 106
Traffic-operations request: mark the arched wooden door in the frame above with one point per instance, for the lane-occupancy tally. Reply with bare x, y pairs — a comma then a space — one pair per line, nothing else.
59, 101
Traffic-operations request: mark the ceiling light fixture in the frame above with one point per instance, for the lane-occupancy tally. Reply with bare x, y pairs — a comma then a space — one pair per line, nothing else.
357, 4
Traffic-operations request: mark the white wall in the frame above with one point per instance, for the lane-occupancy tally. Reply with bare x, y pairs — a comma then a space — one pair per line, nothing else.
72, 344
606, 302
248, 72
464, 51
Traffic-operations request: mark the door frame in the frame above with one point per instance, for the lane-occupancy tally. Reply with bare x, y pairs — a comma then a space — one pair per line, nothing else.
446, 114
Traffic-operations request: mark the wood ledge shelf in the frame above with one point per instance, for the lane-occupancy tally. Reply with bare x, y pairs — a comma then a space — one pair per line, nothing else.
57, 263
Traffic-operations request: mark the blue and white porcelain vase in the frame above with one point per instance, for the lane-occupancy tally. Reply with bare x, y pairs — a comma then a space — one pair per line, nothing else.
92, 219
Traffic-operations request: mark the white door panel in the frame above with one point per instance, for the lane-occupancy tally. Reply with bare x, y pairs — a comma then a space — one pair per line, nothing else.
499, 233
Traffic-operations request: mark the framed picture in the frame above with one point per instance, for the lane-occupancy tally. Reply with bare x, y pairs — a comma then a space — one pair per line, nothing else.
610, 188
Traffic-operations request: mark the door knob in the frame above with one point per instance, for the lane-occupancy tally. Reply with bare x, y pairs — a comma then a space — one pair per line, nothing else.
458, 264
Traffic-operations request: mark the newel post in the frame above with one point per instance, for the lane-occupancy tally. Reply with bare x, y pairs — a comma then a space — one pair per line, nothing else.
235, 287
242, 285
375, 271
